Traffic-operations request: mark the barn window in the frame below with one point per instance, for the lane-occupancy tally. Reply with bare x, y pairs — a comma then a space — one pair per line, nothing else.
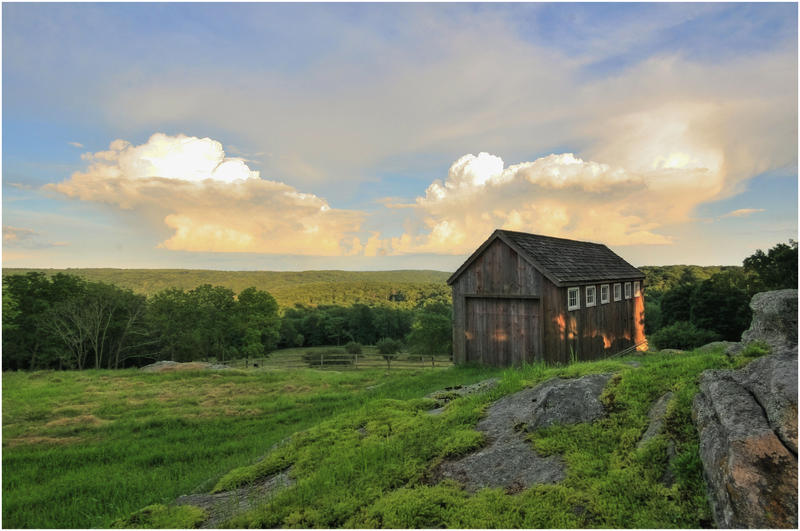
605, 294
617, 292
573, 298
637, 289
591, 296
627, 290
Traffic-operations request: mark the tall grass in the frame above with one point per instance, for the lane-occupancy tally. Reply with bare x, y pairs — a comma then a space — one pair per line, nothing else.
81, 449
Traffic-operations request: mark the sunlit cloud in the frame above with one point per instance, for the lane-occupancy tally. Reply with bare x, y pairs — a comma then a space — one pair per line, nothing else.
75, 144
212, 202
742, 212
18, 237
559, 195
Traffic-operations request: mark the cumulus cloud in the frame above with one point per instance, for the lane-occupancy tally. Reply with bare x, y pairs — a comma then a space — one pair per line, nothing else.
742, 212
559, 195
212, 202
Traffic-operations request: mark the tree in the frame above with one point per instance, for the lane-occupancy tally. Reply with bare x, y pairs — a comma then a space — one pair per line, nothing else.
258, 322
388, 348
676, 304
432, 330
776, 269
97, 326
27, 342
214, 325
353, 348
720, 306
683, 335
171, 318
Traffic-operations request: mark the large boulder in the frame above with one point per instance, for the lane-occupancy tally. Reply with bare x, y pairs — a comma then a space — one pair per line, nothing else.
747, 423
508, 460
774, 319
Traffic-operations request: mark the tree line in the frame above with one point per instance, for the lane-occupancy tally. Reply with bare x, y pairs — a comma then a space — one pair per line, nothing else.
689, 306
399, 289
63, 321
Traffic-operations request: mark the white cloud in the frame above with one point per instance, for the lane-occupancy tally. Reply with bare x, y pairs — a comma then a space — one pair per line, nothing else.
211, 202
75, 144
559, 195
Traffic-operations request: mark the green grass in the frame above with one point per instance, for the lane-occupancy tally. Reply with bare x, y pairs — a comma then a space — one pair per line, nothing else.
291, 358
83, 449
92, 449
163, 517
372, 467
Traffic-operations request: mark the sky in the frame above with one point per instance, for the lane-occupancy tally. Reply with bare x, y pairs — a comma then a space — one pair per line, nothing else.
393, 136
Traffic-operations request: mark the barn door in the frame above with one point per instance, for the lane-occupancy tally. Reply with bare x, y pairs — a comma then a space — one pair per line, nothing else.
502, 332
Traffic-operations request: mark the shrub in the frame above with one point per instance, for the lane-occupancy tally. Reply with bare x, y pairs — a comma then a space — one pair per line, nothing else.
323, 358
683, 335
353, 347
388, 348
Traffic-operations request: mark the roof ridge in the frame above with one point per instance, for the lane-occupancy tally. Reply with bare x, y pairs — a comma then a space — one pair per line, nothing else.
506, 231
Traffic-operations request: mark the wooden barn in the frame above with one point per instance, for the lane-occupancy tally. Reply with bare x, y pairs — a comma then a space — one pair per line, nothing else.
523, 297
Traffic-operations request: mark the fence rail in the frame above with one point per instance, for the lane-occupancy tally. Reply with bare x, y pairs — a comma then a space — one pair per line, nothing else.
331, 360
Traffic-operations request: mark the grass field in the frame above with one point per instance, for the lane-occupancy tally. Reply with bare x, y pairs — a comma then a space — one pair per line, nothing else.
84, 449
291, 358
81, 449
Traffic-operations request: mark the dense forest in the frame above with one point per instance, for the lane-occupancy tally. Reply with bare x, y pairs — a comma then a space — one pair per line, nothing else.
688, 306
404, 288
65, 321
94, 318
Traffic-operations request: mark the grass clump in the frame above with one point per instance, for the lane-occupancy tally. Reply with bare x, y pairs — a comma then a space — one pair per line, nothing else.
163, 517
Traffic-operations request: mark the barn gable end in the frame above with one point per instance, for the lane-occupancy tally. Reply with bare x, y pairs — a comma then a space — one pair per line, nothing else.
510, 302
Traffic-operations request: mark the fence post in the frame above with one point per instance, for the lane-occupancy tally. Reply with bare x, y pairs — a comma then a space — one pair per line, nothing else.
321, 359
356, 360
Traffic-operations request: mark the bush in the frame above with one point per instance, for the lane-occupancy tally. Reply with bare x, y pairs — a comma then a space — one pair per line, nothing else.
323, 358
683, 335
353, 347
388, 346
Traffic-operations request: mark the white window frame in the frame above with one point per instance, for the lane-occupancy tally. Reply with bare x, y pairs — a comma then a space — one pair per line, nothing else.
637, 289
627, 290
617, 292
593, 290
577, 291
607, 298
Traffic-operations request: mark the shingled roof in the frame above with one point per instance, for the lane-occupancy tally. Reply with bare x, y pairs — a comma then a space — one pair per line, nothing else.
560, 260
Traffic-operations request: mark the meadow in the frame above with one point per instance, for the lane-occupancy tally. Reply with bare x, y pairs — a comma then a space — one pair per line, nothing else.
84, 448
90, 448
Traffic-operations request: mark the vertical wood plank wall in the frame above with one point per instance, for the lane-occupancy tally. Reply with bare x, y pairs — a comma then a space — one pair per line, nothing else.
590, 333
498, 271
501, 287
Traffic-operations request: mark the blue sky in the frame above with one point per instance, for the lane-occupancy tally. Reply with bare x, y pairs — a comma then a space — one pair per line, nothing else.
394, 135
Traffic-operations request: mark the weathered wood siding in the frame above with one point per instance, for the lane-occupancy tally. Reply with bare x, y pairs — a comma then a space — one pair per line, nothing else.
502, 332
589, 333
505, 312
502, 284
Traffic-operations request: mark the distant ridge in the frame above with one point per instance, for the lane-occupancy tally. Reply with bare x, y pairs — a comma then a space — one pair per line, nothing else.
401, 287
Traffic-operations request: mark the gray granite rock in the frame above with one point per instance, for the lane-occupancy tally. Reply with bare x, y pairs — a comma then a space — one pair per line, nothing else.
508, 460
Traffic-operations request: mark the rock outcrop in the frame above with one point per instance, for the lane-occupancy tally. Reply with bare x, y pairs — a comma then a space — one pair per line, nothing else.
508, 460
747, 423
774, 319
222, 506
